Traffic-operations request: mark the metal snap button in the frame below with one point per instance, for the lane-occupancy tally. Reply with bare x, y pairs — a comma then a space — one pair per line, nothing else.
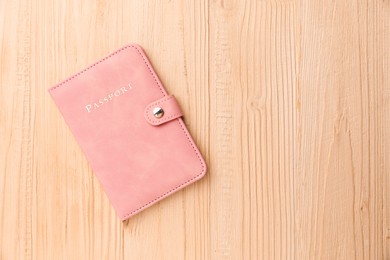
158, 112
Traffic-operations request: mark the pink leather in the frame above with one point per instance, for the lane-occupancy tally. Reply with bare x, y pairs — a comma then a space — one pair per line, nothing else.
169, 105
107, 106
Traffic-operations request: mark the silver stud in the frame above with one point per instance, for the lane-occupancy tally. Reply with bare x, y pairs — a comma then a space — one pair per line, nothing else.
158, 112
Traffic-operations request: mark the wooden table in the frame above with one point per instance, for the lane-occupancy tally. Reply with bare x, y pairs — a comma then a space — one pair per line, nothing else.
288, 101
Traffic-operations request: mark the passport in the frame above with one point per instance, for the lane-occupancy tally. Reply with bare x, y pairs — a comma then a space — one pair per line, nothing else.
130, 129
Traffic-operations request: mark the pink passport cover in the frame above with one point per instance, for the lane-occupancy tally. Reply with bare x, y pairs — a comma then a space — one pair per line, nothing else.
138, 158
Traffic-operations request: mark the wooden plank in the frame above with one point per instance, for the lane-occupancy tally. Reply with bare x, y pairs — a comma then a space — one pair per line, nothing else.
339, 178
16, 169
72, 216
253, 75
177, 48
386, 128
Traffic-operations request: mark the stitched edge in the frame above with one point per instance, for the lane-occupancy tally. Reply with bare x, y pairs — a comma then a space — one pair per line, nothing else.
177, 187
106, 58
178, 120
165, 119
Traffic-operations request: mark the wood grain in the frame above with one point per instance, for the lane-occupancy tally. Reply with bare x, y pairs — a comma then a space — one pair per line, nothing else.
288, 101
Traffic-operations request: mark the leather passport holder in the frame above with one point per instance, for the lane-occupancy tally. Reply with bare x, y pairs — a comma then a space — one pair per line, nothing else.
130, 130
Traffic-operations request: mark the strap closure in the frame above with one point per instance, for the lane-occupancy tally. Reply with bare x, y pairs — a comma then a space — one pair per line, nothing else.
162, 110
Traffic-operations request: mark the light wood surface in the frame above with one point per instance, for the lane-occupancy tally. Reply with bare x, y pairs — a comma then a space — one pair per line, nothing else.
288, 101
